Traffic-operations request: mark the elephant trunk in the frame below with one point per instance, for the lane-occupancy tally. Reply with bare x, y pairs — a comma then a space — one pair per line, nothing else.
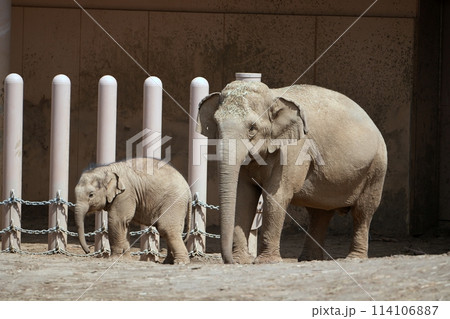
80, 213
229, 168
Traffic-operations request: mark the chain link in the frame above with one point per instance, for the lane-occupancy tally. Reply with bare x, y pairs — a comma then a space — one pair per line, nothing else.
36, 232
57, 200
201, 232
148, 252
101, 230
197, 232
197, 253
149, 230
52, 252
94, 254
5, 230
199, 202
193, 253
22, 252
55, 229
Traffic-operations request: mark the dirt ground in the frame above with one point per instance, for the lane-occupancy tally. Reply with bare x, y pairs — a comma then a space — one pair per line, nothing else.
398, 269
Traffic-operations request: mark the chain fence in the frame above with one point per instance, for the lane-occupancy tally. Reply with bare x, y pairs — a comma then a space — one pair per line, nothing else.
198, 202
57, 200
57, 229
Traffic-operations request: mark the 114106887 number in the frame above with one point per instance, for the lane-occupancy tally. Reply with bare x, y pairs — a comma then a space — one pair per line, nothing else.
380, 310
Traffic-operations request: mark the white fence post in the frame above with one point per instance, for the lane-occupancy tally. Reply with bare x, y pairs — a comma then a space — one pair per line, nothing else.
253, 237
106, 145
152, 120
12, 157
59, 159
197, 175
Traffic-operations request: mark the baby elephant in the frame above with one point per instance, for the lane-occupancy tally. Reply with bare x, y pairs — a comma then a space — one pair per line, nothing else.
136, 190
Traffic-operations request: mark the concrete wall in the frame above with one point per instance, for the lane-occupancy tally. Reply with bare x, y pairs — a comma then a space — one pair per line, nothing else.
177, 41
445, 119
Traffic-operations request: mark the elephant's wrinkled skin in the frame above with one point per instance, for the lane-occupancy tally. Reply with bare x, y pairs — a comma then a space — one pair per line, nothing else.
344, 172
136, 191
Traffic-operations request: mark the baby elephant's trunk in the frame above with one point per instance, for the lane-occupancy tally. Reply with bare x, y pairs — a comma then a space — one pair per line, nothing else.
79, 219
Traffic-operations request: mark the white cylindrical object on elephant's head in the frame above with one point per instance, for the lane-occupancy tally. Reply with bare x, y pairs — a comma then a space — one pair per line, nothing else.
198, 165
106, 144
12, 157
248, 77
106, 120
59, 158
152, 119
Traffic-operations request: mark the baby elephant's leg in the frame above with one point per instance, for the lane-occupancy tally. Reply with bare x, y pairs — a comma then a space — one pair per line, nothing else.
118, 236
169, 257
177, 247
172, 231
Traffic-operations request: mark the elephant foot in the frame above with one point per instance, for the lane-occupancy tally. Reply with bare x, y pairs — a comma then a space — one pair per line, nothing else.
268, 259
243, 258
357, 255
170, 260
181, 261
119, 253
127, 256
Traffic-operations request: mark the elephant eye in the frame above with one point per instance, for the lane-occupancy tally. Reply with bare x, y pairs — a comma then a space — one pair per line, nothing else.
91, 195
252, 130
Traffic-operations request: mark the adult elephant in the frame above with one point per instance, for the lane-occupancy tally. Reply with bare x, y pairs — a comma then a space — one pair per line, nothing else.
304, 145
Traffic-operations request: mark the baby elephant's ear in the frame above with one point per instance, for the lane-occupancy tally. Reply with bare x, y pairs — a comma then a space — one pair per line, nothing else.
206, 124
114, 186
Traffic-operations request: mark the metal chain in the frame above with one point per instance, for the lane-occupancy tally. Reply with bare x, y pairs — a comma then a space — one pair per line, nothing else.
148, 252
36, 232
197, 232
6, 202
201, 232
55, 229
5, 230
101, 230
149, 230
22, 252
94, 254
52, 252
57, 200
197, 253
193, 253
199, 202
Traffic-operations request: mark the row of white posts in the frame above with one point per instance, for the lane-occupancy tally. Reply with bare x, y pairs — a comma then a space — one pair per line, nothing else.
106, 150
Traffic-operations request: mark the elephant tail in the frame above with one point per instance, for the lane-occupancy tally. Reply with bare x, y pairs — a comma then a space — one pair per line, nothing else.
188, 219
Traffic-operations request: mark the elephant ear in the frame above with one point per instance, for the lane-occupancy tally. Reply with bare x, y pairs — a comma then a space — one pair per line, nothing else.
206, 124
114, 186
288, 121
